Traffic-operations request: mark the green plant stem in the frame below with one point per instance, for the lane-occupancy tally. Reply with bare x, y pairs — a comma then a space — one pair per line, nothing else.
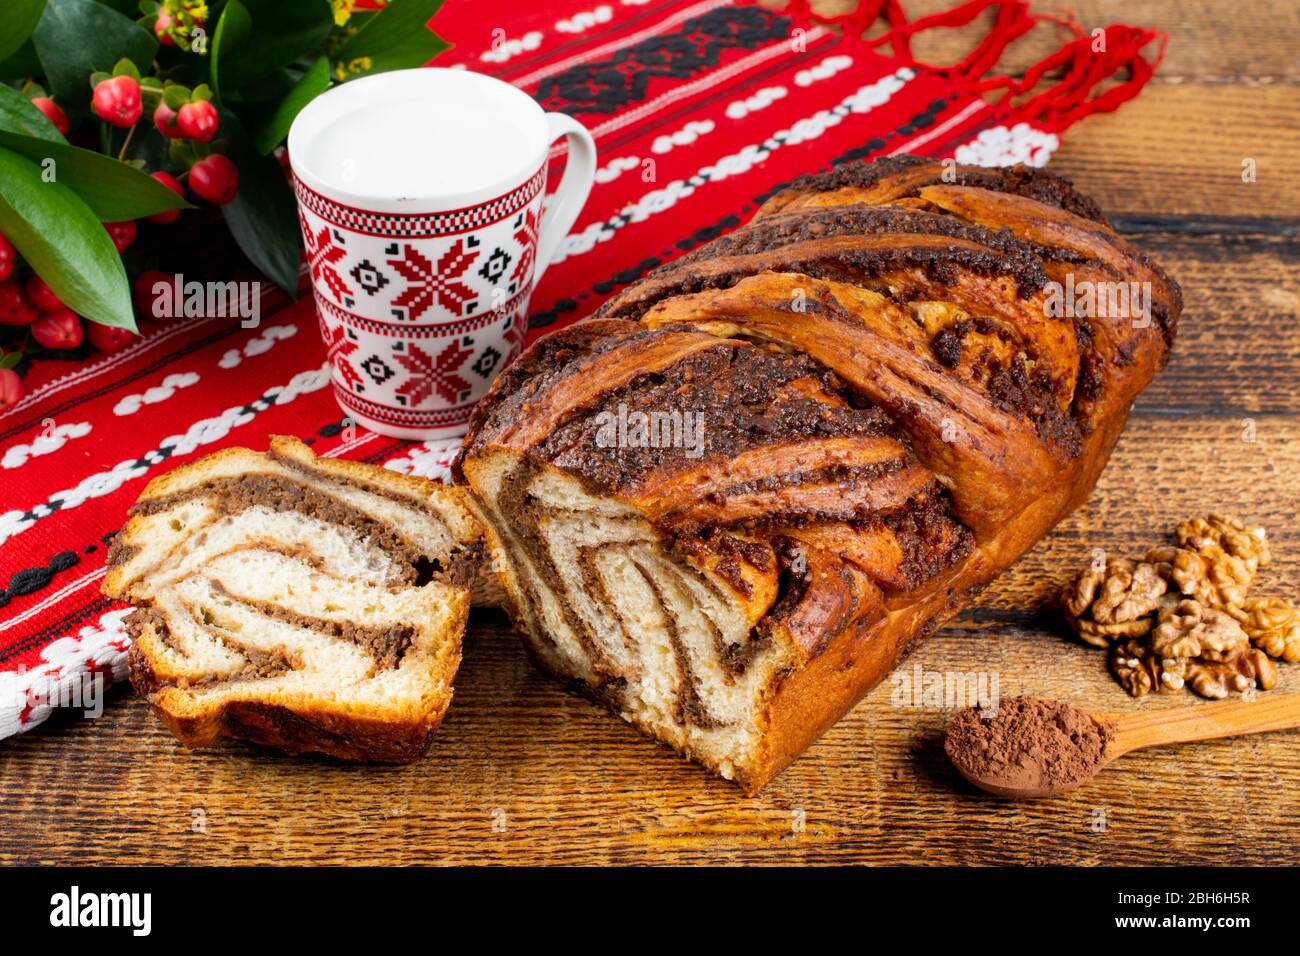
121, 153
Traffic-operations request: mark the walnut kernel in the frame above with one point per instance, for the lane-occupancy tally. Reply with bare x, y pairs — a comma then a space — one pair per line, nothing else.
1102, 635
1181, 616
1191, 629
1230, 534
1104, 605
1273, 624
1214, 679
1210, 575
1129, 663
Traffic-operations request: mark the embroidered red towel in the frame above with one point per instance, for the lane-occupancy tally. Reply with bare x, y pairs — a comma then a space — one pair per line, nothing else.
700, 110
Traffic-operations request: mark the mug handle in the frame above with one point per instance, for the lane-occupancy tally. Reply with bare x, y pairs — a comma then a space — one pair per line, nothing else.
575, 187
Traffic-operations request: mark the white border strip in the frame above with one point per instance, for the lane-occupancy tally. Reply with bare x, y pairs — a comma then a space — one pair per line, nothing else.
54, 598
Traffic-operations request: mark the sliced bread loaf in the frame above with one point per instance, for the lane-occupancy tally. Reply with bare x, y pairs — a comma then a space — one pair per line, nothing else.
302, 603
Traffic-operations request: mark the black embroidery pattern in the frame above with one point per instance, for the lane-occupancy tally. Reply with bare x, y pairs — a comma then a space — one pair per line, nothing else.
31, 580
922, 120
545, 317
369, 276
606, 86
332, 429
486, 362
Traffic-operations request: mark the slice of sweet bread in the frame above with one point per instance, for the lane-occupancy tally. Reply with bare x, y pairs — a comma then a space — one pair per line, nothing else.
298, 602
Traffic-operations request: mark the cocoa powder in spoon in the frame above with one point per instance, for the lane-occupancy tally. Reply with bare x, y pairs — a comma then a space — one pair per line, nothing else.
1029, 744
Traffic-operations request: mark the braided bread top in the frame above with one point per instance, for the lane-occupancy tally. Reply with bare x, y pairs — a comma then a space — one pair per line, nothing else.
890, 361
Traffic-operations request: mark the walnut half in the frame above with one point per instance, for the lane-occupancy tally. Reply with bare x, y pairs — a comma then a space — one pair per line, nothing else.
1190, 629
1273, 625
1139, 670
1249, 545
1210, 575
1113, 603
1214, 679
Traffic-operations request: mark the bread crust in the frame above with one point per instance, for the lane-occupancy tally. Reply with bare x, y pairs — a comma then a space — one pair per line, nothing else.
812, 699
302, 729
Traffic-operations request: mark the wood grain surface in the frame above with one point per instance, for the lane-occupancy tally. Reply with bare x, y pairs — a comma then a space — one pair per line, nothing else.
522, 773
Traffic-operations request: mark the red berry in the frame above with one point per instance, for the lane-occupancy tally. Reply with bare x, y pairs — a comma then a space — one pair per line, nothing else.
122, 233
215, 179
174, 184
11, 388
15, 307
164, 118
146, 297
108, 338
198, 121
53, 112
117, 101
58, 330
42, 296
7, 257
162, 27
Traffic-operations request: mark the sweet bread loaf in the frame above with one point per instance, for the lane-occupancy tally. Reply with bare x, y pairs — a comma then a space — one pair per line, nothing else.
302, 603
727, 506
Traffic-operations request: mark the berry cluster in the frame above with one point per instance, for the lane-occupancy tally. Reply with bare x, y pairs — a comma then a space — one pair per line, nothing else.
31, 313
25, 300
183, 116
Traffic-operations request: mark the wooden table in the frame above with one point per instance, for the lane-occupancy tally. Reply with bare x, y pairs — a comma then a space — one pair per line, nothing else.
522, 773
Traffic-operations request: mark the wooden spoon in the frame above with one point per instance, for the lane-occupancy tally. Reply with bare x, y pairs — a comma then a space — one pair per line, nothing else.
1152, 728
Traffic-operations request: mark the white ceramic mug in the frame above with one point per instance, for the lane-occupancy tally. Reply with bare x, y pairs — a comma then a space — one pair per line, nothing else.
420, 198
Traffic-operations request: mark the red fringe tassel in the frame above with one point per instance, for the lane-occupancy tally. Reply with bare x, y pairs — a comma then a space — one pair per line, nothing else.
1079, 67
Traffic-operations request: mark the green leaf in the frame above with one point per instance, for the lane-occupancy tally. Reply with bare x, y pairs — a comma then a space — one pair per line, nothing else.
267, 92
395, 38
175, 96
11, 359
181, 153
416, 50
61, 239
113, 190
22, 64
233, 26
275, 128
16, 26
124, 67
18, 115
281, 33
263, 217
77, 37
389, 27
